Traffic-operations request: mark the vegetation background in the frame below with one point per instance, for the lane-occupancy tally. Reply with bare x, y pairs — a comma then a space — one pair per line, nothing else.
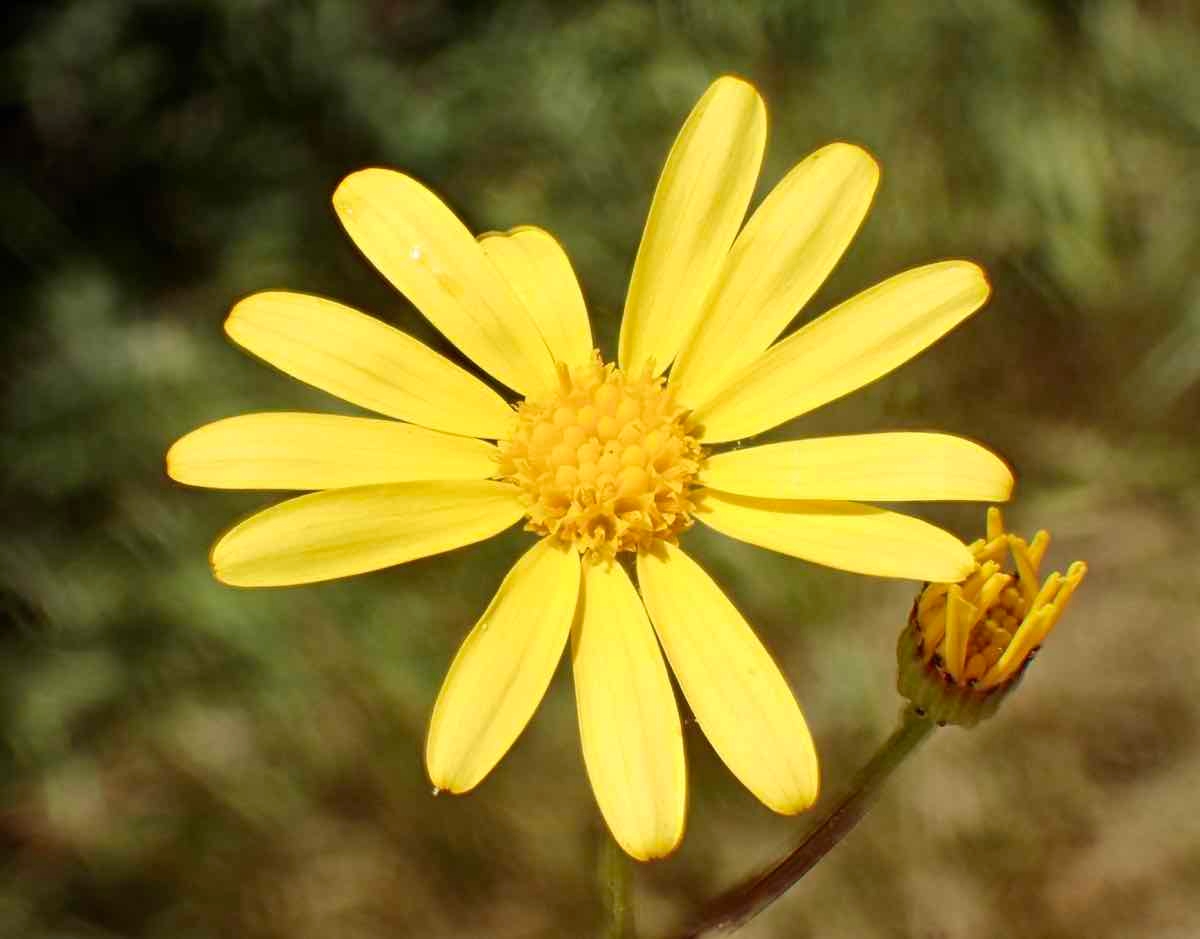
185, 760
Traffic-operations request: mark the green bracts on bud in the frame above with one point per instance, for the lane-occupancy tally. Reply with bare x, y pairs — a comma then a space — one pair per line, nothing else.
934, 693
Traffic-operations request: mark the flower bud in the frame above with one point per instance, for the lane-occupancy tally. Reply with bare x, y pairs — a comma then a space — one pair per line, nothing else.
967, 645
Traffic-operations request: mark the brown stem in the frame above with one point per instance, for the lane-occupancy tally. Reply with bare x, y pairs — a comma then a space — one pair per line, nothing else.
741, 903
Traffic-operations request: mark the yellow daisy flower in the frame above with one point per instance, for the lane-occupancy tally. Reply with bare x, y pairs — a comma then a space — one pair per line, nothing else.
606, 462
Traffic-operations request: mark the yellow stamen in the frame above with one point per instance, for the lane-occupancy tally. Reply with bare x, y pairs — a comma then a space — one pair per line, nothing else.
1066, 590
1027, 576
1049, 589
995, 523
930, 597
995, 586
1023, 643
1037, 547
958, 614
933, 629
973, 585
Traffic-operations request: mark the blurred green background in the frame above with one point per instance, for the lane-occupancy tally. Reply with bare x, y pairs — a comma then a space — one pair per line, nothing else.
182, 759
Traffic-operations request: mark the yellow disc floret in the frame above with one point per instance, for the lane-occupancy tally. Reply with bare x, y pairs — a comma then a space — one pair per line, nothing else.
605, 462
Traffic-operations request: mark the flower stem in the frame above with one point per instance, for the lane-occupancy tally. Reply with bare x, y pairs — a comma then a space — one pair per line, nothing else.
741, 903
614, 887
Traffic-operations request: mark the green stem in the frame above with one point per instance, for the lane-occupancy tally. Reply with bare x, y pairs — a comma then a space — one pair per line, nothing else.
614, 886
738, 905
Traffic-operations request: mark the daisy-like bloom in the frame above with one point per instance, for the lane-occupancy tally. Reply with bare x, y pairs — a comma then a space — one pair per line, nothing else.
967, 644
606, 462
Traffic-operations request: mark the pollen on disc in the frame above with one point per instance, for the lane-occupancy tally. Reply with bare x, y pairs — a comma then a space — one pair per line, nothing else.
606, 462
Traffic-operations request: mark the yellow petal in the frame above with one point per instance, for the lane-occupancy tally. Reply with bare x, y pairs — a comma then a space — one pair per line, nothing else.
741, 700
959, 613
850, 346
845, 535
503, 668
288, 450
1037, 547
1027, 582
897, 467
783, 255
418, 244
366, 362
341, 532
698, 206
628, 722
538, 269
995, 524
1029, 634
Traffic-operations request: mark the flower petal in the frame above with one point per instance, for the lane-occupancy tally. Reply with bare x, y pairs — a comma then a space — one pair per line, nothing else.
895, 467
850, 346
290, 450
740, 698
958, 614
698, 206
782, 256
419, 245
628, 721
845, 535
341, 532
540, 272
366, 362
502, 670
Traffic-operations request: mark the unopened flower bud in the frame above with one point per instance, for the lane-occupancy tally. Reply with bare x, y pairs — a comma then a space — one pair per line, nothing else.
967, 644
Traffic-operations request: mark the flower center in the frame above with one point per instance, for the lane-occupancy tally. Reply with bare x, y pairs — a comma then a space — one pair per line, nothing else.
997, 606
992, 635
605, 462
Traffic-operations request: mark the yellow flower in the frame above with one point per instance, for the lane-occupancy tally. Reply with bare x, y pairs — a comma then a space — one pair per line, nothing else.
967, 644
606, 462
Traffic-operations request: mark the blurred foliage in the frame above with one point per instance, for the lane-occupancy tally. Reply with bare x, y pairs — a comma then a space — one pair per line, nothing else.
180, 759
